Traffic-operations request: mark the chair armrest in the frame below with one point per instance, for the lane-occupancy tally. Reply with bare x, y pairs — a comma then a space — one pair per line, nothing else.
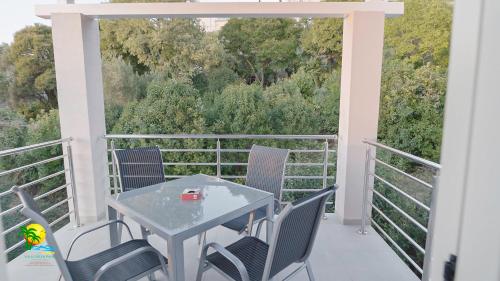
259, 225
277, 206
229, 256
127, 256
94, 229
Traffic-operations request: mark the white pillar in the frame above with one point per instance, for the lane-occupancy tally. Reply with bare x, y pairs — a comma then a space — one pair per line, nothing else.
81, 107
359, 107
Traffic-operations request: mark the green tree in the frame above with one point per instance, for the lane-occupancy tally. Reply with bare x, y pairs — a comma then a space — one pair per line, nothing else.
422, 35
240, 109
289, 112
321, 42
412, 108
32, 57
168, 108
265, 49
162, 45
6, 70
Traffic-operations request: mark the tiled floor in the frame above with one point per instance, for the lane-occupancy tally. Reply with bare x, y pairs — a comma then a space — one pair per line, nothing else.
340, 254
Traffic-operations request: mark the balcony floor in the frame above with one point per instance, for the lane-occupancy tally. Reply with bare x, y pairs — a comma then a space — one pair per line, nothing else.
340, 254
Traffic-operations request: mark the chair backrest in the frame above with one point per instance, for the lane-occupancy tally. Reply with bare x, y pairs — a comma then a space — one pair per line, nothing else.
296, 229
31, 210
139, 167
266, 169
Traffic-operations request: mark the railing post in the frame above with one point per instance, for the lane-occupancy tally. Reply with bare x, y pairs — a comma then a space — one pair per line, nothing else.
113, 164
218, 159
325, 170
430, 228
364, 210
73, 188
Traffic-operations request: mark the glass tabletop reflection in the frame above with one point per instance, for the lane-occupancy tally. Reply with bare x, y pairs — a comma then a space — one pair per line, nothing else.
162, 204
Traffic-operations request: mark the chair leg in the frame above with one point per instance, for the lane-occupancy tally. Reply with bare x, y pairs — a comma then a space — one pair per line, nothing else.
309, 271
202, 241
120, 227
201, 266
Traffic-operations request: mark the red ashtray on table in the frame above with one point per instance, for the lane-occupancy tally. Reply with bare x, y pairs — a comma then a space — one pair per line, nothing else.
191, 194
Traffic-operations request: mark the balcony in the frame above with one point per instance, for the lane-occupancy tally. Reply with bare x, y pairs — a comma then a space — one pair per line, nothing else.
393, 249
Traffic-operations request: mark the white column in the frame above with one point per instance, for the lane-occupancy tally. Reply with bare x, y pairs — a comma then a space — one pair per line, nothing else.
81, 107
359, 107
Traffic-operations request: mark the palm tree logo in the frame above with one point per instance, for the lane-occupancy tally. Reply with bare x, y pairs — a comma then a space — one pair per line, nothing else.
33, 234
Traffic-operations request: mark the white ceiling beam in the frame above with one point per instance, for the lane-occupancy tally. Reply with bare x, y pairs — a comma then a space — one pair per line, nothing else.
218, 10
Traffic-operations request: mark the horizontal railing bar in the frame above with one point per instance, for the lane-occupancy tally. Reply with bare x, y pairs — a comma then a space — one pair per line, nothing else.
56, 205
402, 212
243, 177
52, 191
401, 251
234, 164
422, 182
32, 147
36, 198
34, 182
291, 150
213, 150
308, 177
220, 136
61, 218
13, 247
300, 189
188, 150
407, 155
402, 232
402, 192
188, 164
17, 226
286, 177
31, 165
8, 211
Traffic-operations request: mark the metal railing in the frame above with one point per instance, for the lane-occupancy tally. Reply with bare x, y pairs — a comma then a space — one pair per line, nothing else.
325, 146
373, 196
16, 172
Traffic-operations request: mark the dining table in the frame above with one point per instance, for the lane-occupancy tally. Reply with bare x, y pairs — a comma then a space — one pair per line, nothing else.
159, 209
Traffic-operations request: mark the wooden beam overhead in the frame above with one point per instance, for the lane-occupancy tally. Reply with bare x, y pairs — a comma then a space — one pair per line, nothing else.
220, 10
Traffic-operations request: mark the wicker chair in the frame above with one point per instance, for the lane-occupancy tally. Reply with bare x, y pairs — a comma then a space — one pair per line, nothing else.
251, 259
266, 171
139, 167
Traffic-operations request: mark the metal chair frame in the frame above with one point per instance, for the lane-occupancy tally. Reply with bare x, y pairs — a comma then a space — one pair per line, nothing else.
305, 264
61, 261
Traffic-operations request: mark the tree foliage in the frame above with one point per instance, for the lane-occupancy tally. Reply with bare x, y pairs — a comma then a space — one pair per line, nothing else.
265, 49
422, 35
32, 57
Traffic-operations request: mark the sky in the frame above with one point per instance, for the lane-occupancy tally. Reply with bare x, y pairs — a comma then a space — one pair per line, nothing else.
16, 14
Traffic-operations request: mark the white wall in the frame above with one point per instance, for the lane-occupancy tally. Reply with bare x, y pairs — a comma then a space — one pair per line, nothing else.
467, 201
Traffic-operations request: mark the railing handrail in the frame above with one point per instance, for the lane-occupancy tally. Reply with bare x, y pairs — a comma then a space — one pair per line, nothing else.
218, 136
33, 147
428, 163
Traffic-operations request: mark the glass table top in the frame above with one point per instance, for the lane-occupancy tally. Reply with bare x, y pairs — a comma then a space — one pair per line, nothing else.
162, 204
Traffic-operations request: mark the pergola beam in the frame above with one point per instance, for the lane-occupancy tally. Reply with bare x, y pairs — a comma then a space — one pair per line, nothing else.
218, 10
